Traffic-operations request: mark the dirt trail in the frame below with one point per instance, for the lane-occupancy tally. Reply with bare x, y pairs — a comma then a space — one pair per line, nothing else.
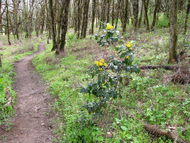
31, 123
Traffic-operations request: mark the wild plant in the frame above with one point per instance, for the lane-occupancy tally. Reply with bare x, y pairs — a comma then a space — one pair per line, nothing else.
108, 83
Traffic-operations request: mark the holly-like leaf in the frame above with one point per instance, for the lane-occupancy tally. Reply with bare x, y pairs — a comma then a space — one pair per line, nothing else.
84, 90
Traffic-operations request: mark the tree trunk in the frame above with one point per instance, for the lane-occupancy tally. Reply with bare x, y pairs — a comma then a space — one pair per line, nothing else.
124, 14
113, 10
0, 17
7, 18
97, 15
187, 15
140, 17
48, 22
60, 22
15, 18
103, 13
64, 25
93, 15
75, 13
85, 18
37, 24
173, 32
31, 19
180, 4
135, 12
43, 20
25, 25
145, 3
108, 11
157, 4
118, 12
53, 26
79, 18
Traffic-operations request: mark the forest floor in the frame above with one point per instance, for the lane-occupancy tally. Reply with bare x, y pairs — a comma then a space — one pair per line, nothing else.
31, 123
155, 98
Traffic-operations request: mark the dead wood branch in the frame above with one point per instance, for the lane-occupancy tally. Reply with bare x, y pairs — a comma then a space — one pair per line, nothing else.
160, 66
154, 129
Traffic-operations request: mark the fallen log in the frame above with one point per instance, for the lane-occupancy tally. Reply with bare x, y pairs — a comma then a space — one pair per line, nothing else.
154, 129
160, 66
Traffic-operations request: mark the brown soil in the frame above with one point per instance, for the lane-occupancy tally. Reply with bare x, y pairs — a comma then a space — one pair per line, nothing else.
31, 123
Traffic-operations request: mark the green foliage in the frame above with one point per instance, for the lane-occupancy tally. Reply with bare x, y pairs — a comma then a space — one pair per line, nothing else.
80, 130
104, 88
181, 18
108, 85
163, 21
2, 91
6, 80
70, 39
127, 132
107, 39
149, 96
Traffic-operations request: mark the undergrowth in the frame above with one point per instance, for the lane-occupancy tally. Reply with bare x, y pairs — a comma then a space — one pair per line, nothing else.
149, 96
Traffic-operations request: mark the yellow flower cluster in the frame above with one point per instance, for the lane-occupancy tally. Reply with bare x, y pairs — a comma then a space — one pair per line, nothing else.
127, 57
109, 27
129, 45
100, 63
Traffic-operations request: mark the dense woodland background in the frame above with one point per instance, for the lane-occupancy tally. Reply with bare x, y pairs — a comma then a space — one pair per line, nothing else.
155, 99
55, 17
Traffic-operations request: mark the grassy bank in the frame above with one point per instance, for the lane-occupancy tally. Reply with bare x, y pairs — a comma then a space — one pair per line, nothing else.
150, 96
10, 54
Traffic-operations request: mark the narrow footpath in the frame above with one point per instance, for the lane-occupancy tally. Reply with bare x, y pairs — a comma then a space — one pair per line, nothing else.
31, 123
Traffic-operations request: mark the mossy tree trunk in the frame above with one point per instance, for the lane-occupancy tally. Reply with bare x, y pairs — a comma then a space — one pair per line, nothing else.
25, 13
124, 14
15, 18
135, 13
93, 15
7, 19
48, 25
37, 24
85, 18
157, 4
60, 15
30, 24
187, 15
173, 32
79, 17
113, 10
0, 16
141, 13
103, 12
53, 27
42, 22
117, 12
145, 4
98, 13
64, 25
108, 11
